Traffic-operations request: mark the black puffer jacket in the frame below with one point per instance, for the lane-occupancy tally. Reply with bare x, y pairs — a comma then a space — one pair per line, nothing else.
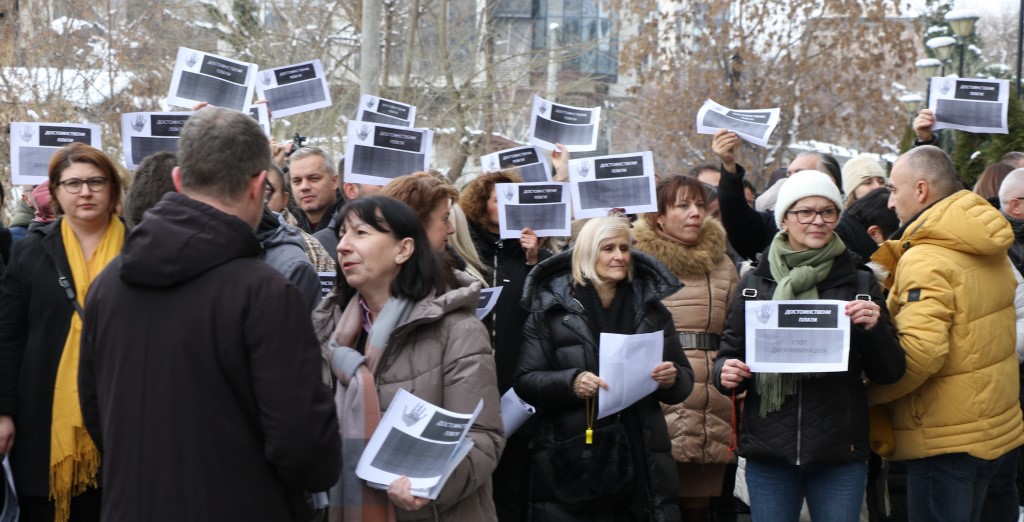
558, 345
826, 421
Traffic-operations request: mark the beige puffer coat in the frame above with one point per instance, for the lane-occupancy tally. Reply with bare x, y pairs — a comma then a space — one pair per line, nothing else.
442, 354
700, 426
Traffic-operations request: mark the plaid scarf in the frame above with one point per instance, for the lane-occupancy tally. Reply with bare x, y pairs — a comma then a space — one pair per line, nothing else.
358, 407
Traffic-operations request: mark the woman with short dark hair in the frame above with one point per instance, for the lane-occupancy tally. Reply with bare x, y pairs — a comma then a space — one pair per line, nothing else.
403, 322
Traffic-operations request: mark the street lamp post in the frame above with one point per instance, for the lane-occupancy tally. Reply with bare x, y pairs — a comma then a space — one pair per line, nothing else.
927, 68
942, 46
552, 62
962, 21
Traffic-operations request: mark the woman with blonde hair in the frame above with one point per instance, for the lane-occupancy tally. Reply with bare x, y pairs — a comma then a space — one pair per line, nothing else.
618, 467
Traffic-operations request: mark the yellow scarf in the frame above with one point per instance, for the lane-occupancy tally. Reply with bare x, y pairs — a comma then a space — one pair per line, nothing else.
74, 459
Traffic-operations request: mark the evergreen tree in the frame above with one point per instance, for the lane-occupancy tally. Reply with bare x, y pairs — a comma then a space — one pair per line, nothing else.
999, 144
966, 155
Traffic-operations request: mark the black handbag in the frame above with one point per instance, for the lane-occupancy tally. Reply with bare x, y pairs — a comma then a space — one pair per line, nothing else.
590, 476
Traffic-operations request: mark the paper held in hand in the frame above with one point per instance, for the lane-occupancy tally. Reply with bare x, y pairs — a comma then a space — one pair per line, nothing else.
418, 440
541, 207
219, 81
514, 411
146, 133
971, 105
754, 126
574, 127
626, 363
811, 336
602, 183
34, 143
294, 89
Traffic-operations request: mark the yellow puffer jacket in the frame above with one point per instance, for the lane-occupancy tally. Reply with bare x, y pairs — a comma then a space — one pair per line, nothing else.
951, 299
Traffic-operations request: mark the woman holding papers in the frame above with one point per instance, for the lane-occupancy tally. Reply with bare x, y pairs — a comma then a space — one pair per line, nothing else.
402, 322
805, 435
42, 294
625, 470
692, 244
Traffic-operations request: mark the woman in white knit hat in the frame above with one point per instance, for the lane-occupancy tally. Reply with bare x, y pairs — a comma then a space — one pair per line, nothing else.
805, 435
862, 174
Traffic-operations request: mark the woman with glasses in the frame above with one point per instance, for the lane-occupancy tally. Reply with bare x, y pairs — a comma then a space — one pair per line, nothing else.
42, 296
805, 435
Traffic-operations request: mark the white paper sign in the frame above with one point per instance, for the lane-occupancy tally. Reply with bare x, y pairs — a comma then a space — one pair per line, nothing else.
488, 298
602, 183
146, 133
418, 440
574, 127
259, 112
375, 154
541, 207
514, 412
811, 336
625, 363
388, 112
219, 81
531, 161
970, 104
295, 88
33, 143
754, 126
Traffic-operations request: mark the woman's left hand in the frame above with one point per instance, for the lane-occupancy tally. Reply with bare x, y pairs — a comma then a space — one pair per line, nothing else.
665, 375
531, 245
864, 313
399, 494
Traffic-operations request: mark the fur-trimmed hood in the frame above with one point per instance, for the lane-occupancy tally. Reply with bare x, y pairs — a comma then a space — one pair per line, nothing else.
684, 261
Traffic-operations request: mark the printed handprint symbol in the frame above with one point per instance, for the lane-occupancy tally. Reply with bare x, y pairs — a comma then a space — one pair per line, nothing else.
414, 416
139, 122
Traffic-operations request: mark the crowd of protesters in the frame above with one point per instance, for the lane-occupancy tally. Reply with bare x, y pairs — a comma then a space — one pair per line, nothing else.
167, 352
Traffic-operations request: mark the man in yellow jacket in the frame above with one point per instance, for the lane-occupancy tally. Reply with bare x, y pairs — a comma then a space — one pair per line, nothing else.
955, 413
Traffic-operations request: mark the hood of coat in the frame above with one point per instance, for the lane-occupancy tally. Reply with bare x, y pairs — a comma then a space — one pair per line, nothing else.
684, 261
962, 222
23, 214
550, 282
182, 239
273, 233
465, 296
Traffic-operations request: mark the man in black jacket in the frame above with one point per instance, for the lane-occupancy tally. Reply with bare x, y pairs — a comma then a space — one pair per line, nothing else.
199, 374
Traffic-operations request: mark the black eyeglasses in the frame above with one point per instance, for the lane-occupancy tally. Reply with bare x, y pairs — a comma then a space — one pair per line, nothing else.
806, 216
74, 185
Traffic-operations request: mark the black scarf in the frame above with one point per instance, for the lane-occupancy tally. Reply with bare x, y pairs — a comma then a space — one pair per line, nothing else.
617, 318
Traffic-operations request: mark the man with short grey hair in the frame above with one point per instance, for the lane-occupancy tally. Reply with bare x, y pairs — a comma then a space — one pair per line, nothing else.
315, 187
199, 371
955, 414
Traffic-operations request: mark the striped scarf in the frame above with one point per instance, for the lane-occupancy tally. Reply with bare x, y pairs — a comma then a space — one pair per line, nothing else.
358, 407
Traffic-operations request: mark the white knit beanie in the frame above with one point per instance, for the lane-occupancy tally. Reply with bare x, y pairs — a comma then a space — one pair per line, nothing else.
804, 184
860, 168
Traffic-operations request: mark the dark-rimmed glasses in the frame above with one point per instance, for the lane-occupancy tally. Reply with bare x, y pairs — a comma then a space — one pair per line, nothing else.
806, 216
74, 185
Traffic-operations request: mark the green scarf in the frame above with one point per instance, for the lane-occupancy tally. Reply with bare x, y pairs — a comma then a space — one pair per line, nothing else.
796, 274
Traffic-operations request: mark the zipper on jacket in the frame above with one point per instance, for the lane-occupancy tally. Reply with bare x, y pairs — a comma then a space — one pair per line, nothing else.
799, 417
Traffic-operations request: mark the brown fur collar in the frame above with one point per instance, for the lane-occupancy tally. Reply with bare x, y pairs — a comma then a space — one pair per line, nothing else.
684, 261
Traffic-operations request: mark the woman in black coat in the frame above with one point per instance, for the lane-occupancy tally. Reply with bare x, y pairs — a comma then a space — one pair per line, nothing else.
627, 472
805, 435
